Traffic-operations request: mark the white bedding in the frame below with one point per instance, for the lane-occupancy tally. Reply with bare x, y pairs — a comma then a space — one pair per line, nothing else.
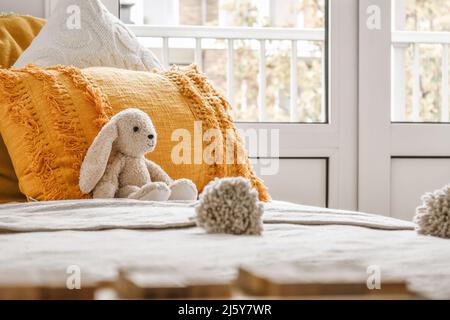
49, 236
91, 215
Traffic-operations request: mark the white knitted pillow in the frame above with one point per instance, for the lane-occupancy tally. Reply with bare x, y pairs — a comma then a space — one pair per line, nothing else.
97, 38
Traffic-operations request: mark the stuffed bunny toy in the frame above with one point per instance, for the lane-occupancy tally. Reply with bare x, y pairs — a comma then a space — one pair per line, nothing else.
115, 165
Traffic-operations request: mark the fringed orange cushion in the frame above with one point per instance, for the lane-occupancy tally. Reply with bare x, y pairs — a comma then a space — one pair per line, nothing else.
16, 34
51, 116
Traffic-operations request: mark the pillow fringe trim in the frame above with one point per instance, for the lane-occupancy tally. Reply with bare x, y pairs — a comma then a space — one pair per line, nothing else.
201, 110
70, 133
21, 111
66, 125
214, 112
96, 98
243, 167
91, 91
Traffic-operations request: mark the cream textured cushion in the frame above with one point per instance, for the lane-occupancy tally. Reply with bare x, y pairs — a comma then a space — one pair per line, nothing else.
100, 40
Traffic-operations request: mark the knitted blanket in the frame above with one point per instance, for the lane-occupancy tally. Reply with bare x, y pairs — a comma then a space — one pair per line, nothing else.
89, 215
292, 233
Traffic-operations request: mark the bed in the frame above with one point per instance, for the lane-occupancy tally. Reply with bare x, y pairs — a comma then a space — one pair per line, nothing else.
102, 236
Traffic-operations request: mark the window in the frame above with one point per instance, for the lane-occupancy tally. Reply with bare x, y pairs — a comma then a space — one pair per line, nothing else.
287, 68
273, 76
403, 103
420, 60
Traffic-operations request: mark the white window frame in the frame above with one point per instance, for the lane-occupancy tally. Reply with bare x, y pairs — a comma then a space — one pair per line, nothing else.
337, 139
374, 110
381, 140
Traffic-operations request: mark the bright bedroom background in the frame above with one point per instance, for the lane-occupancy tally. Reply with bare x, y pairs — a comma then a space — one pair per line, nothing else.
358, 128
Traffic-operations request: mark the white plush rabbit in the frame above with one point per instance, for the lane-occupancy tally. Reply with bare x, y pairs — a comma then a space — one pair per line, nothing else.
115, 165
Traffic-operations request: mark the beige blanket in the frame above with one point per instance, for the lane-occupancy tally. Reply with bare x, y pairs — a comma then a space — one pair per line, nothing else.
288, 236
89, 215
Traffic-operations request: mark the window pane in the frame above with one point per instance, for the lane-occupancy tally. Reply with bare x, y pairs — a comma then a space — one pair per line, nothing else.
427, 15
247, 89
420, 58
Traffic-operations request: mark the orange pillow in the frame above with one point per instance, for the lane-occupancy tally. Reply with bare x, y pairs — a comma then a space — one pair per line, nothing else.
52, 115
16, 34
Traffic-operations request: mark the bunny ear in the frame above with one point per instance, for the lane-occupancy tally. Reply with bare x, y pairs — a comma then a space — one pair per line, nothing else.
97, 156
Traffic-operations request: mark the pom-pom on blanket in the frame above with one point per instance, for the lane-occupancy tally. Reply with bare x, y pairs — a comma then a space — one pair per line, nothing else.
230, 205
433, 216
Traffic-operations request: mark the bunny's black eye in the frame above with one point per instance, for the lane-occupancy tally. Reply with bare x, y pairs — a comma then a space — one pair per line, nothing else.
136, 129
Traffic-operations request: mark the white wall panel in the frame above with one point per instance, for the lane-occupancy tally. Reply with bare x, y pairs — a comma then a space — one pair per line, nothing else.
301, 181
411, 178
